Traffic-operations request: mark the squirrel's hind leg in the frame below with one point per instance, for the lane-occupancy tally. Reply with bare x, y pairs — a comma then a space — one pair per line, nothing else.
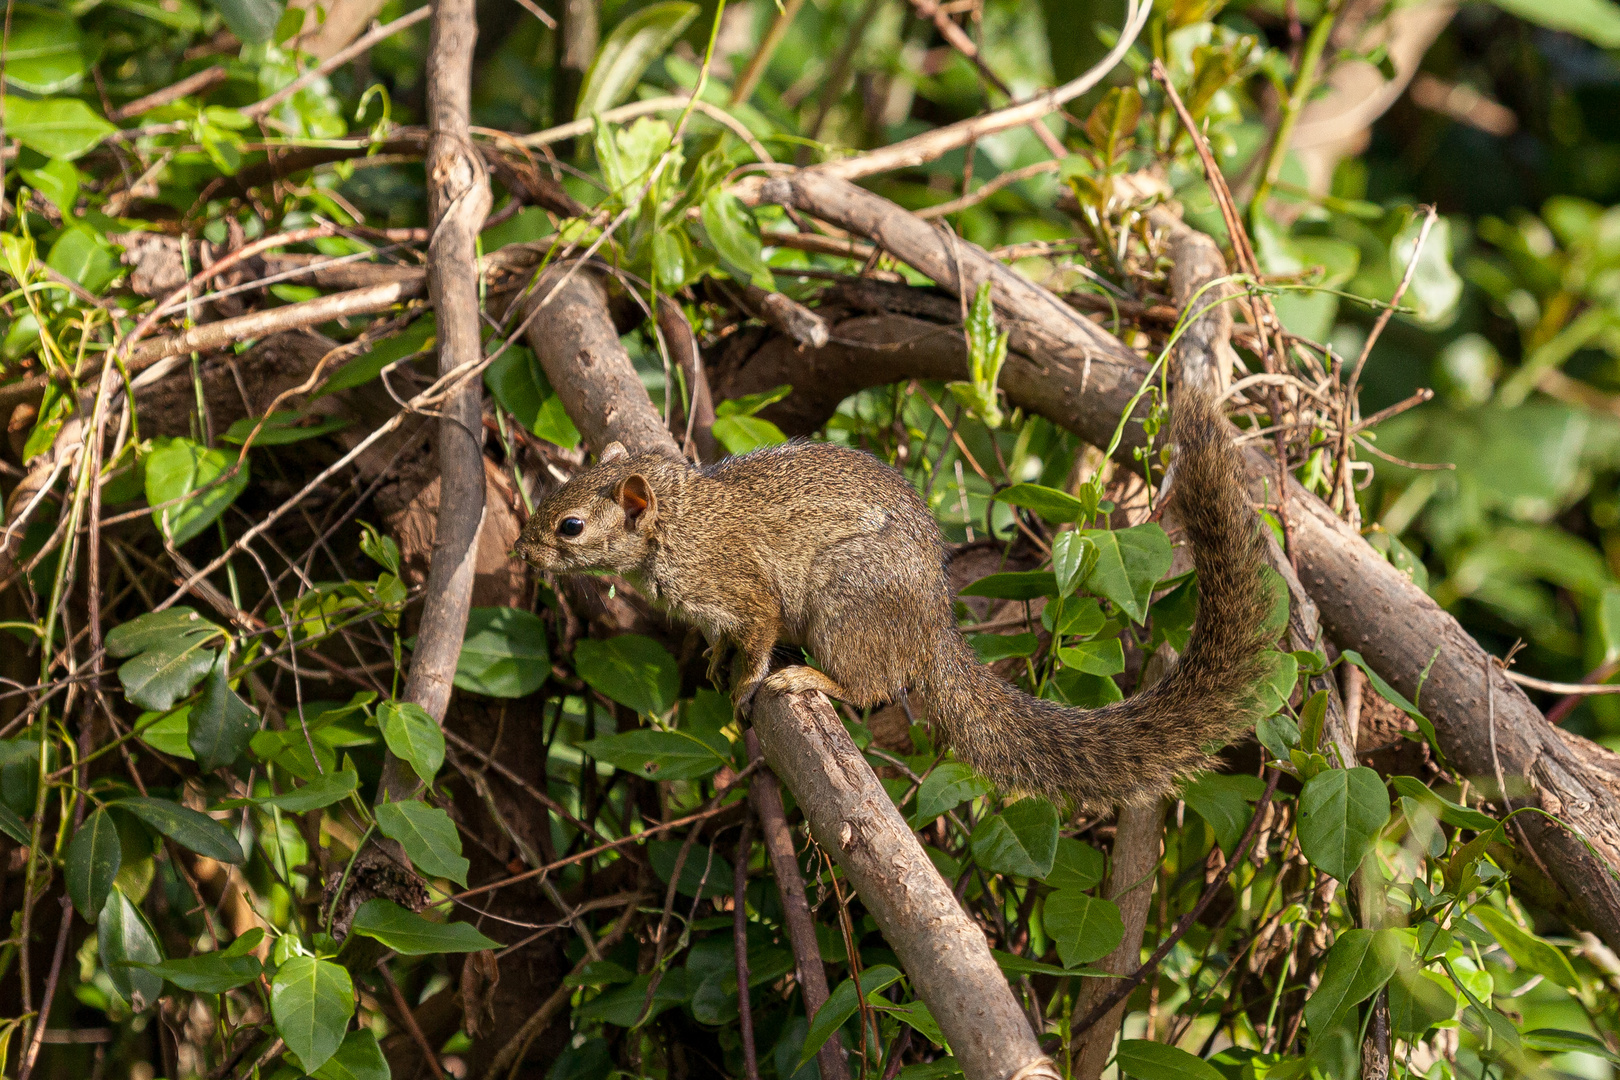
800, 679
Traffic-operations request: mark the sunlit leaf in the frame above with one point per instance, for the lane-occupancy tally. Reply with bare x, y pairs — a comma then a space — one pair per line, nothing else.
636, 42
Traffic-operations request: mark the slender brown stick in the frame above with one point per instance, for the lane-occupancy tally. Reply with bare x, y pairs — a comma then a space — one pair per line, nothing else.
201, 82
739, 932
766, 796
409, 1019
458, 201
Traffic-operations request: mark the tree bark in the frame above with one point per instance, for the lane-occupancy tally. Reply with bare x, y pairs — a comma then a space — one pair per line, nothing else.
458, 201
943, 952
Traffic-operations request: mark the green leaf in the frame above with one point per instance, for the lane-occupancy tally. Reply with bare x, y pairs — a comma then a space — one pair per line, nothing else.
63, 128
1555, 1041
631, 669
210, 973
57, 180
1014, 585
1050, 503
503, 653
1113, 121
312, 1001
181, 469
219, 725
658, 755
749, 404
1442, 808
1084, 927
519, 384
1077, 865
359, 1058
79, 255
428, 836
1436, 288
324, 790
1147, 1060
1073, 558
254, 21
169, 657
1528, 951
744, 434
1418, 1000
735, 236
412, 734
93, 859
622, 1006
1597, 21
44, 54
13, 826
1223, 801
1130, 563
1356, 968
1013, 964
1279, 672
1397, 699
1073, 616
409, 934
948, 786
994, 647
842, 1004
1341, 814
125, 942
415, 338
281, 428
636, 42
1106, 657
1020, 840
186, 827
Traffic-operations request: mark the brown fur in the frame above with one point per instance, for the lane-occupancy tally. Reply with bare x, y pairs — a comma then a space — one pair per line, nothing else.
825, 547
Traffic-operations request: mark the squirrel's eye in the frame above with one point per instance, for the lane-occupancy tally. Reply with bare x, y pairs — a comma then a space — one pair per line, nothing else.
570, 526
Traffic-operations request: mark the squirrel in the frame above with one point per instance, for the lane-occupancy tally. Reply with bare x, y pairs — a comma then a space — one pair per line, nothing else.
826, 547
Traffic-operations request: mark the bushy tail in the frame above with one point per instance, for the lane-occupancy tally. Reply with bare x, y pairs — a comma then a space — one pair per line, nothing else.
1136, 749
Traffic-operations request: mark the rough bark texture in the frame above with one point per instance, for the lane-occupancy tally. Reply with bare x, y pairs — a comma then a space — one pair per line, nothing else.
943, 952
576, 342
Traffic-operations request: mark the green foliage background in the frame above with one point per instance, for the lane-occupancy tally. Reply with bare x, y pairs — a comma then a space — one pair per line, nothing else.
216, 768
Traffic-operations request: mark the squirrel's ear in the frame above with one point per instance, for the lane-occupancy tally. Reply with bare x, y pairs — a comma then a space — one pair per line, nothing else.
636, 498
613, 451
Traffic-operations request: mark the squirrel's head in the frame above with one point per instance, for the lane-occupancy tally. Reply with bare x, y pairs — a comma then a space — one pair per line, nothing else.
604, 518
